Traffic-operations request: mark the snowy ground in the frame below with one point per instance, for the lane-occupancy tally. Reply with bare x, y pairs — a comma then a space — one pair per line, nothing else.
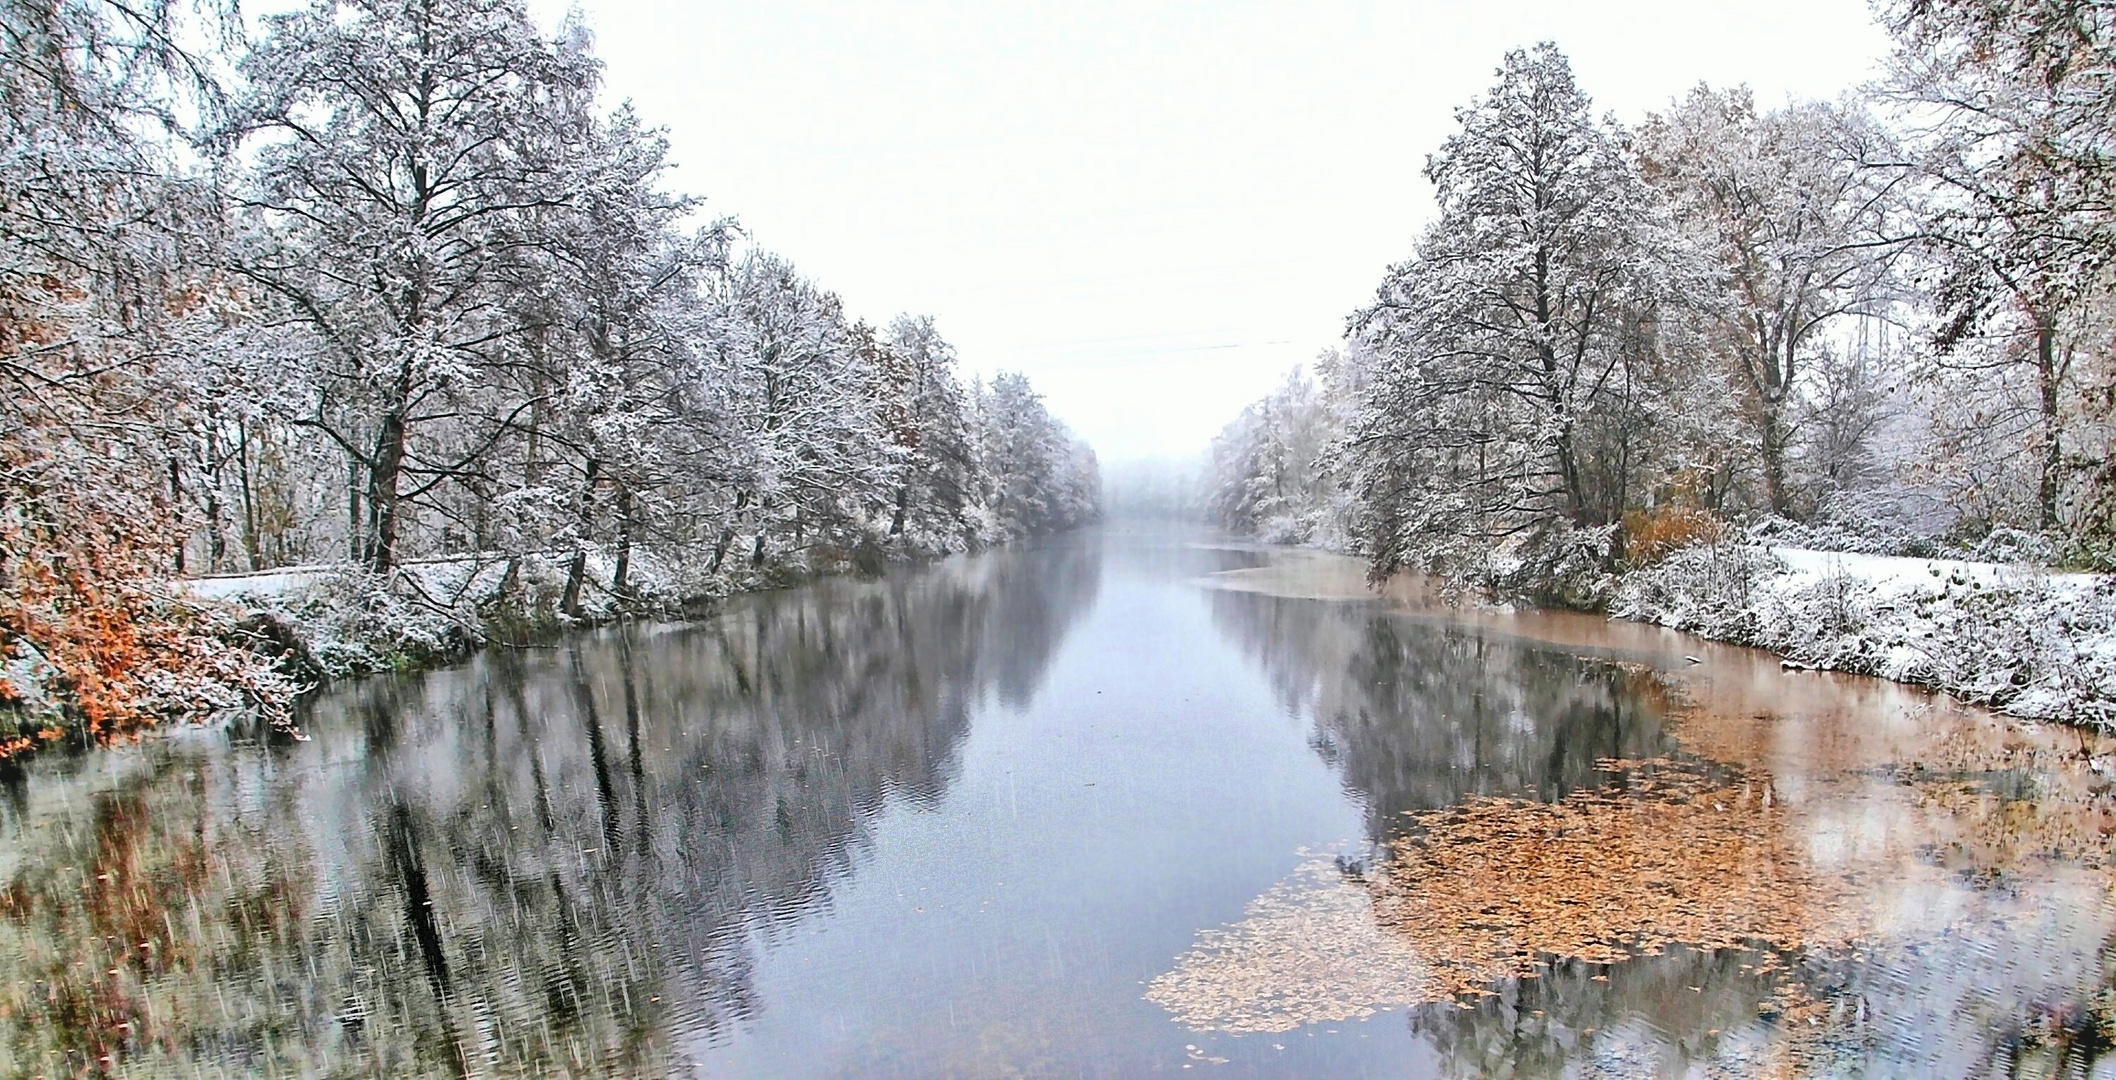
1898, 572
349, 621
2030, 642
270, 583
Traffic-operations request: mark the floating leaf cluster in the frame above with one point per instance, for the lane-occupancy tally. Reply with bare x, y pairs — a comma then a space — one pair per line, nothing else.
1674, 855
1307, 951
1669, 854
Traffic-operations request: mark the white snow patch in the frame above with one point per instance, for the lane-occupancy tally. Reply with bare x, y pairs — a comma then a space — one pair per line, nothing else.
2020, 638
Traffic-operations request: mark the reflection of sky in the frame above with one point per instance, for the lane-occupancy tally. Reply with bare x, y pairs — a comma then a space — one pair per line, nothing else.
1154, 786
1976, 947
957, 820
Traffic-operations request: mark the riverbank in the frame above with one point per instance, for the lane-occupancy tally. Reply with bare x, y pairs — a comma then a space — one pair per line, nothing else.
2016, 637
281, 634
339, 621
2019, 638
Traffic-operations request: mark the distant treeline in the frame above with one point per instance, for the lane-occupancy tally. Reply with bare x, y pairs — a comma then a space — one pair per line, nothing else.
1889, 315
391, 281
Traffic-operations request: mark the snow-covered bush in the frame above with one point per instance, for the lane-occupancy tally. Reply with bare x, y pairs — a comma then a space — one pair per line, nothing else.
350, 622
2009, 545
1863, 538
1709, 589
1563, 566
2029, 642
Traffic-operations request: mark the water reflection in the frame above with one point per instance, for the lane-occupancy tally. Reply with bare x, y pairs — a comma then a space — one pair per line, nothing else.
2024, 1000
542, 861
1420, 714
1814, 875
887, 829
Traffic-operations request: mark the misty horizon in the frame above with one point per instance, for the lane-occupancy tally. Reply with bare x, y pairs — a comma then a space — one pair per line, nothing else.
1138, 196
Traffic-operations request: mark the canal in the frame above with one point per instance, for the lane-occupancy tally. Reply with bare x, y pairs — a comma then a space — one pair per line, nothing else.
1125, 802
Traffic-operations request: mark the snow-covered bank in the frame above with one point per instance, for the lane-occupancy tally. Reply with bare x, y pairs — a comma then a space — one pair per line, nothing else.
2024, 640
2016, 637
334, 621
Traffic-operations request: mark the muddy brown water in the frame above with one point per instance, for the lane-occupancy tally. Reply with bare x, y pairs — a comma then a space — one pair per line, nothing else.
1129, 802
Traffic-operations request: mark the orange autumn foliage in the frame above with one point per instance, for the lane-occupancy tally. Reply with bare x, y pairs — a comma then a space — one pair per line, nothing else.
73, 597
1653, 535
109, 298
94, 639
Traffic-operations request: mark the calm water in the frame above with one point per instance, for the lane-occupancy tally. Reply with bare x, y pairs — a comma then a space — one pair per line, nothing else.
1123, 803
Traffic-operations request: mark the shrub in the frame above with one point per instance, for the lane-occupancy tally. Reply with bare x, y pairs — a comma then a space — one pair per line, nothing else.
1652, 535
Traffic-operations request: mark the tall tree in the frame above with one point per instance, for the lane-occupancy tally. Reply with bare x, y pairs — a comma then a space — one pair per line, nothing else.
618, 352
1037, 477
811, 460
2008, 104
1270, 476
1798, 227
930, 420
107, 302
403, 146
1511, 347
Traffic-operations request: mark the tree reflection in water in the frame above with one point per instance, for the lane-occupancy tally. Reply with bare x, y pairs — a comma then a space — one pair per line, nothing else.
542, 860
591, 859
1418, 714
1986, 941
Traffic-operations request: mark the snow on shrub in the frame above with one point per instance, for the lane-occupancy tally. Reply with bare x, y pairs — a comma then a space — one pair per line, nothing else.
352, 622
1562, 565
2032, 643
1709, 589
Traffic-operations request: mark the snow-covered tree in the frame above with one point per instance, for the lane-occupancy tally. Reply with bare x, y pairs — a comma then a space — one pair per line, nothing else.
403, 147
1037, 477
1797, 225
1516, 348
108, 303
1271, 476
927, 413
415, 294
616, 409
2007, 110
811, 460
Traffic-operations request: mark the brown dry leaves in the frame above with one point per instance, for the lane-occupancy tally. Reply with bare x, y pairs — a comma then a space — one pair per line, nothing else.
1490, 889
1670, 853
1307, 951
1673, 857
1842, 813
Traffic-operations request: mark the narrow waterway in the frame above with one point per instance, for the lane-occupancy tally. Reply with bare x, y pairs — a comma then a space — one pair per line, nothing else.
1119, 803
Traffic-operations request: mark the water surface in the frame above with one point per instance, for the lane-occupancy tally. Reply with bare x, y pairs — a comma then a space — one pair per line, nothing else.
1121, 803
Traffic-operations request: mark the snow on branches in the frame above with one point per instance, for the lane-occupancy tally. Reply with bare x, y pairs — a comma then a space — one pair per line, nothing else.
1889, 315
391, 294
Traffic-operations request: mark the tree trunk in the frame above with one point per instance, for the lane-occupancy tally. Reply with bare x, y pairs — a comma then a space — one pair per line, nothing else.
2047, 377
532, 453
1774, 440
355, 539
576, 568
176, 503
508, 578
569, 601
727, 532
216, 530
216, 534
1576, 505
250, 540
382, 504
619, 586
727, 536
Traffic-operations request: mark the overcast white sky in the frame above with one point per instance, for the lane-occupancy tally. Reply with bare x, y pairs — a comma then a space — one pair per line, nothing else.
1154, 209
